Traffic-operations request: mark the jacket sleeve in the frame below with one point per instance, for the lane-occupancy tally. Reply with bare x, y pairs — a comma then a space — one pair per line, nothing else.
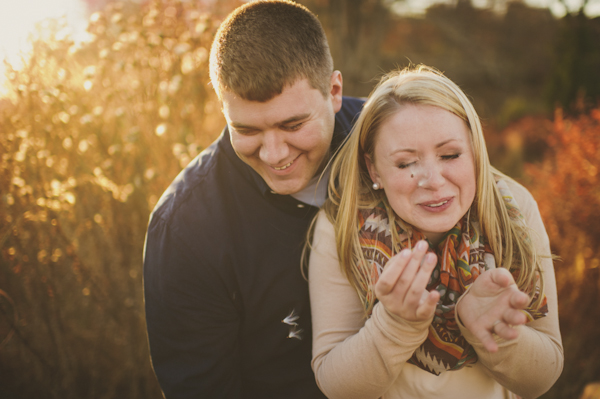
530, 364
353, 357
191, 320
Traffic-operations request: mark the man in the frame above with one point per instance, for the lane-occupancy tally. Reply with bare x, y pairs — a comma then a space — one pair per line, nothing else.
227, 307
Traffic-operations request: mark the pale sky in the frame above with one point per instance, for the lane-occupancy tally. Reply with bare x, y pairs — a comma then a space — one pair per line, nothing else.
419, 6
19, 17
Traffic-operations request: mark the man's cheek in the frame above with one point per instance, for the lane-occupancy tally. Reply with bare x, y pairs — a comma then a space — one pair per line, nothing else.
245, 146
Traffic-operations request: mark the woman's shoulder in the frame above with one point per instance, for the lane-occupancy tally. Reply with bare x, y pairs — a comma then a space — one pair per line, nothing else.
323, 223
519, 193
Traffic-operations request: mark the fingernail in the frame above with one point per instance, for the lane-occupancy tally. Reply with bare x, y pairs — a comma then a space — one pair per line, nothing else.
405, 253
421, 245
430, 258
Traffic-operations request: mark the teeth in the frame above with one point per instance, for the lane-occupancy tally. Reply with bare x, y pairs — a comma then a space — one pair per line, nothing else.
283, 167
438, 204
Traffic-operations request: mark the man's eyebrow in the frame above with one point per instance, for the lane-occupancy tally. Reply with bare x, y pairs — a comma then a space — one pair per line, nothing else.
237, 125
292, 119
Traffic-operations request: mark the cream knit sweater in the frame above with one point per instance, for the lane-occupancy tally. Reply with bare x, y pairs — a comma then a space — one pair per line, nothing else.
354, 357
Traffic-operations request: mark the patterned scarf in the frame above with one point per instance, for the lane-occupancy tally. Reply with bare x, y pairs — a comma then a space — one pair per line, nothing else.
462, 255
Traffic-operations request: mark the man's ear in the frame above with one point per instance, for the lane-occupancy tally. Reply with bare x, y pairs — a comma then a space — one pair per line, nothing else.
336, 90
372, 170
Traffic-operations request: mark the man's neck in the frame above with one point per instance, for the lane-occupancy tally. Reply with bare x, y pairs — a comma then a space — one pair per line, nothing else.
315, 193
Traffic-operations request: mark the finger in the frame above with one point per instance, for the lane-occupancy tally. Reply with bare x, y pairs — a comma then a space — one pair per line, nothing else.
506, 331
427, 304
487, 339
409, 272
514, 317
419, 283
391, 273
502, 277
519, 299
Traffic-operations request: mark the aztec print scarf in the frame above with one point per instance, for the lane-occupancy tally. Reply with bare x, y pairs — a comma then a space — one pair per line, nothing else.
462, 255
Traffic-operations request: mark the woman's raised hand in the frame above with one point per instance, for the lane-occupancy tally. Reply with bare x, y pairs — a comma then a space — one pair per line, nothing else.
401, 288
493, 305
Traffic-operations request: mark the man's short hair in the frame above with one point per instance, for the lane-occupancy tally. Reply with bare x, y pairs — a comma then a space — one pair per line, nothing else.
264, 46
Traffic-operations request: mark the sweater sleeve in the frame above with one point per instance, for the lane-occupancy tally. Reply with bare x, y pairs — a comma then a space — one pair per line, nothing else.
530, 364
192, 323
353, 357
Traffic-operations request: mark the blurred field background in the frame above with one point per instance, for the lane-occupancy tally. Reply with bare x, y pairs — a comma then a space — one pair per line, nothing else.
92, 132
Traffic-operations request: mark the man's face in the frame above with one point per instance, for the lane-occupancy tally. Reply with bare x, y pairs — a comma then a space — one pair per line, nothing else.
286, 139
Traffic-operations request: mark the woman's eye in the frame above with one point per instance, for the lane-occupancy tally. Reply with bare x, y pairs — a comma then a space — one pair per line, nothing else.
406, 165
449, 157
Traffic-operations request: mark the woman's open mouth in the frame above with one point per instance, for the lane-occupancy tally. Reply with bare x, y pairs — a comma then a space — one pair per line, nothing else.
438, 205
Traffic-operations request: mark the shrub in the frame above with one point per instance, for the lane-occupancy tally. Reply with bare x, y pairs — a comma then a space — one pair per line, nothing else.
566, 185
90, 136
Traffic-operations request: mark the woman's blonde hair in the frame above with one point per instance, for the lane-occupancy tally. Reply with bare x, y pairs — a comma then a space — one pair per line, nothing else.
350, 186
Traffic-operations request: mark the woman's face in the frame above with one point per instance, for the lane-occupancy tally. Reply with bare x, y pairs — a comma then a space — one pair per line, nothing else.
424, 162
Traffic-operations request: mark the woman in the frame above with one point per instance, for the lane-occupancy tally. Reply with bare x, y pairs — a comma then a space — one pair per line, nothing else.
444, 286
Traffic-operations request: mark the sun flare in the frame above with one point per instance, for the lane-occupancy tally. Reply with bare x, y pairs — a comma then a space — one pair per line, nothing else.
18, 20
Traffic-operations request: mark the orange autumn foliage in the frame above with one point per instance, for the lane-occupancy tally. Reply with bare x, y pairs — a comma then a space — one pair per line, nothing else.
566, 185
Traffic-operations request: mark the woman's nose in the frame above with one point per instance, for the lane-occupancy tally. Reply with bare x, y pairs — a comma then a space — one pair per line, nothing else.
428, 174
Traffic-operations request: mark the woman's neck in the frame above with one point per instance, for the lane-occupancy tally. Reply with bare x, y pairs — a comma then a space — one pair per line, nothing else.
435, 238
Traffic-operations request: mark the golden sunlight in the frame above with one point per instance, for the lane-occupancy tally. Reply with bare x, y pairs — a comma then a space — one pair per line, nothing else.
18, 20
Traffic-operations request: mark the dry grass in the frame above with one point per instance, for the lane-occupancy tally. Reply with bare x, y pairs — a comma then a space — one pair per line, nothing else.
90, 136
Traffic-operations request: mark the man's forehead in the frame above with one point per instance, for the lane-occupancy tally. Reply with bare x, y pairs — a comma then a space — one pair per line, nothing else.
295, 102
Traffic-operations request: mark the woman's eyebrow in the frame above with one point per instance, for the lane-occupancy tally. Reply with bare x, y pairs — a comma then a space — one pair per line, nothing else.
443, 143
412, 150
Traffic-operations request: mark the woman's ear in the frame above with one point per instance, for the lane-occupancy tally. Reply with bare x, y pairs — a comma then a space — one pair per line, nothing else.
372, 170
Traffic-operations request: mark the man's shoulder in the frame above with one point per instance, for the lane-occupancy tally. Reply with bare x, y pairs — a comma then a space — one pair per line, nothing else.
345, 119
351, 107
353, 104
197, 192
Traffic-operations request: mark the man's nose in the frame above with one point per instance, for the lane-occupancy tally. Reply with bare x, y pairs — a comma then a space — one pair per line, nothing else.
274, 149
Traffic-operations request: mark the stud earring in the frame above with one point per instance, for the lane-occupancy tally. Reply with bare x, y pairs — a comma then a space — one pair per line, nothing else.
375, 186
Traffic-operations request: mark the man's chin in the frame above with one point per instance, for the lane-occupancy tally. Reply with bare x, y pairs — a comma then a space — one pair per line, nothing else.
287, 188
284, 191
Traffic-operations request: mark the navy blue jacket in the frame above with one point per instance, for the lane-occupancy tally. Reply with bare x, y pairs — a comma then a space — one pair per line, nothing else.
222, 273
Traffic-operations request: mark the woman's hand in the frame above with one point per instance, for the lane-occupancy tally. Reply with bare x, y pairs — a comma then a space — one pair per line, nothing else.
401, 288
493, 305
